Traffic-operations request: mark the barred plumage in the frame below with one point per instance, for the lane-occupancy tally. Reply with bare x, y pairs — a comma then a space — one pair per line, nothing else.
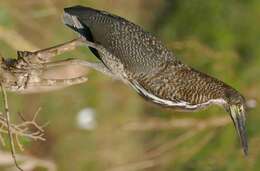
142, 61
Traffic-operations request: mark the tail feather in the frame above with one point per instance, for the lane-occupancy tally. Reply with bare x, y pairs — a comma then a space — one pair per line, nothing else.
72, 20
80, 10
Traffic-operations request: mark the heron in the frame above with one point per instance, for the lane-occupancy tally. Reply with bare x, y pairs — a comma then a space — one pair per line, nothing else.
129, 53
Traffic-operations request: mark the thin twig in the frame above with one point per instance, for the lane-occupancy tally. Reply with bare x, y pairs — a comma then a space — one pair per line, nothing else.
22, 129
7, 115
45, 55
26, 73
18, 142
21, 116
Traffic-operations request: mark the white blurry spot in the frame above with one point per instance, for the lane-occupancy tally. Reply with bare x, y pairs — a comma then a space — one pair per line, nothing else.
251, 103
86, 119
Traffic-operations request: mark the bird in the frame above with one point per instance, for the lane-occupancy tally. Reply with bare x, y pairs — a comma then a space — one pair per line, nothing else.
135, 56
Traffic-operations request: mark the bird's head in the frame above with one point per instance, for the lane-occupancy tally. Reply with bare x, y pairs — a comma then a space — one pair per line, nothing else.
236, 107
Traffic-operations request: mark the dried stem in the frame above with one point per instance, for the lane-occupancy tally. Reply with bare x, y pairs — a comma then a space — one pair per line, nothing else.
7, 115
45, 55
27, 74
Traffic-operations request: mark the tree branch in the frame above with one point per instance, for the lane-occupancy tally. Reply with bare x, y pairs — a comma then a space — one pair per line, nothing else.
26, 73
7, 117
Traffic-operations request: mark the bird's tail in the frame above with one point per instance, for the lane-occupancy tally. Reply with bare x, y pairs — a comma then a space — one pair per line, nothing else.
72, 22
73, 17
81, 11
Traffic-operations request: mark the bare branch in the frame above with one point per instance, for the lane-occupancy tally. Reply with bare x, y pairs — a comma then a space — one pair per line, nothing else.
7, 116
27, 73
33, 72
23, 129
16, 131
45, 55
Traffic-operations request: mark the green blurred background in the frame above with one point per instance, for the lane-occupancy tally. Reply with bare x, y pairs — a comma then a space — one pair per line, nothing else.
218, 37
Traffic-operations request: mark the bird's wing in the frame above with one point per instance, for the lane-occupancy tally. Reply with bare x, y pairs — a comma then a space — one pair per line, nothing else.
138, 50
179, 86
173, 102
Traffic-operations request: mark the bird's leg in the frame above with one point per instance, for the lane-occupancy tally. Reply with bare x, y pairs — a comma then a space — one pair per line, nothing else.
94, 65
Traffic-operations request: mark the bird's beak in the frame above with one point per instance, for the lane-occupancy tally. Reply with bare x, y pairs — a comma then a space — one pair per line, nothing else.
237, 113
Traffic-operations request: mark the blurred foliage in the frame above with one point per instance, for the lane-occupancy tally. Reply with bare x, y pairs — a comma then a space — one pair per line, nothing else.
217, 37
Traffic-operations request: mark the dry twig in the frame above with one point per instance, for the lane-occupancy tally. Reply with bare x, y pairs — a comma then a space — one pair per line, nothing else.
35, 72
7, 117
26, 74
